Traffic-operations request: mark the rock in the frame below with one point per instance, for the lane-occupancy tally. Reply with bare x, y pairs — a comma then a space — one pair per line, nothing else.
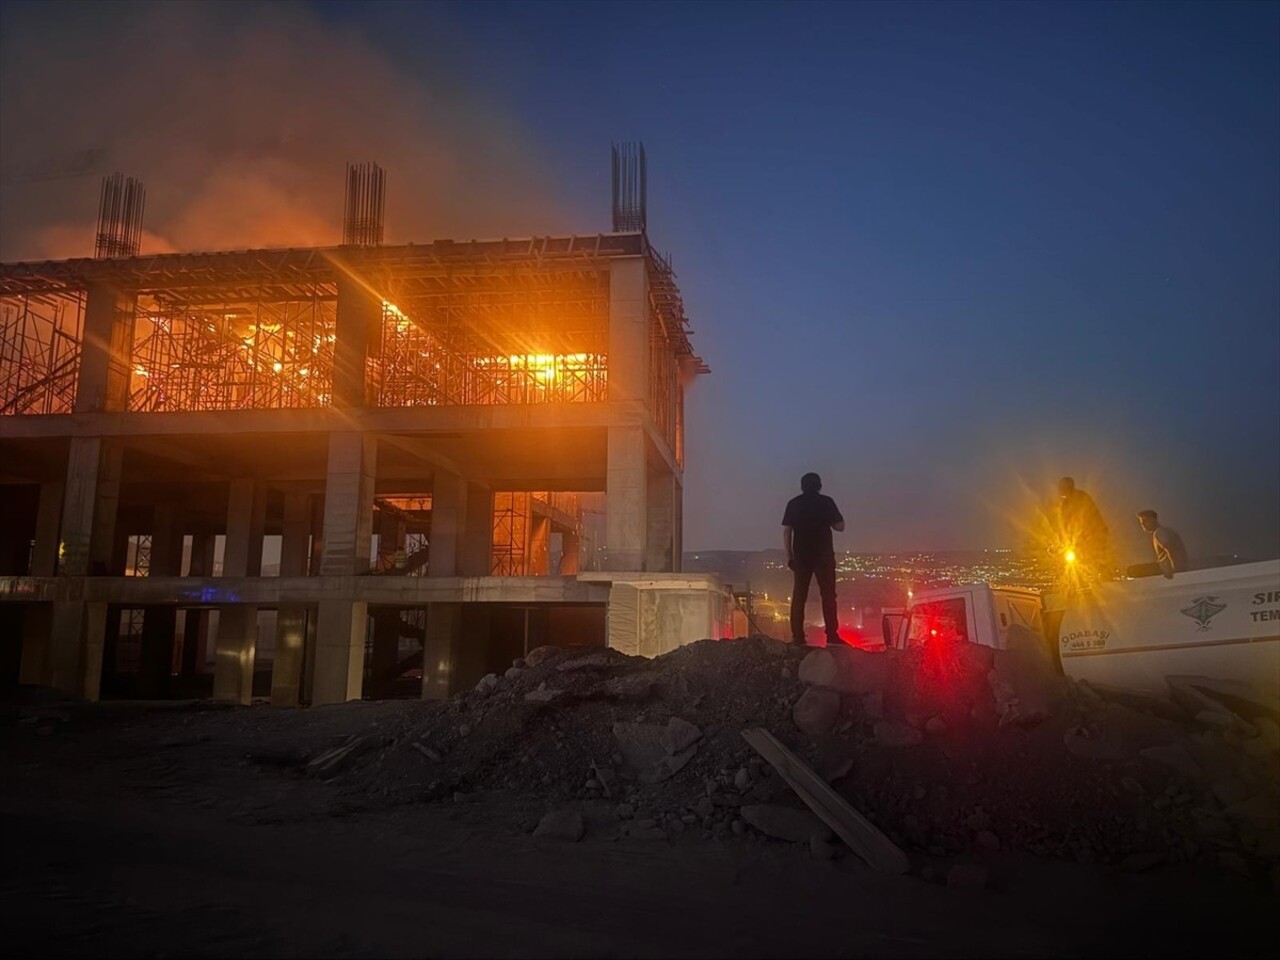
1229, 791
785, 673
487, 683
1174, 756
821, 849
1232, 861
935, 726
1141, 862
1216, 719
1080, 744
1260, 810
561, 825
331, 762
704, 807
785, 823
742, 780
1024, 681
967, 876
624, 811
426, 752
679, 735
739, 827
519, 663
1213, 828
774, 647
1268, 732
647, 833
540, 655
891, 734
634, 687
513, 672
543, 695
1205, 695
592, 661
836, 770
988, 840
644, 750
846, 669
873, 705
816, 710
464, 730
592, 784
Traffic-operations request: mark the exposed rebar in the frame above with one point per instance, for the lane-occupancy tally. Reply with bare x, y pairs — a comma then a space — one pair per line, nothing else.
630, 188
366, 198
120, 212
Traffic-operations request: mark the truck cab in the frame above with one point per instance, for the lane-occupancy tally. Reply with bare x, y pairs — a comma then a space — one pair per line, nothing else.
975, 613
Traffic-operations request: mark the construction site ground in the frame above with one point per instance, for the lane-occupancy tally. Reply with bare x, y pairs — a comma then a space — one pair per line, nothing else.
591, 804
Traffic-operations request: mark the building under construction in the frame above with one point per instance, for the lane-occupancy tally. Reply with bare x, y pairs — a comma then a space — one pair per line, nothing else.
359, 468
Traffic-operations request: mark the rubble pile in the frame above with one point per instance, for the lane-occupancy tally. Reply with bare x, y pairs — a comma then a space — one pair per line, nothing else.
952, 750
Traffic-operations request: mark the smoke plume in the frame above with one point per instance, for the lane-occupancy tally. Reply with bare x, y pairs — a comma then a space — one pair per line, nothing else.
240, 118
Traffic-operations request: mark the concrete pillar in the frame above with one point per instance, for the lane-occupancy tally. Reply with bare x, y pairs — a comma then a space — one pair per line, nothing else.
348, 504
309, 655
317, 536
291, 619
628, 330
237, 636
660, 523
246, 523
91, 500
341, 630
677, 528
626, 499
295, 541
286, 668
348, 530
159, 623
448, 524
357, 328
44, 552
103, 382
78, 633
440, 649
195, 628
477, 535
236, 643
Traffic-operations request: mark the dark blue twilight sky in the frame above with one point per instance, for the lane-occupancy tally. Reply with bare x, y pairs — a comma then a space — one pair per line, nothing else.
941, 253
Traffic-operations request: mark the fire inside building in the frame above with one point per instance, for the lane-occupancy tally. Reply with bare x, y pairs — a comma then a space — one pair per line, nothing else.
359, 470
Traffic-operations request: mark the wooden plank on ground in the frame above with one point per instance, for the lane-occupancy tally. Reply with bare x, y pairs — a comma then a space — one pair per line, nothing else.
862, 836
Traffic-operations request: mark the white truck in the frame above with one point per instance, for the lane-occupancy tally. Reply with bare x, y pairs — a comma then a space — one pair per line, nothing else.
1222, 623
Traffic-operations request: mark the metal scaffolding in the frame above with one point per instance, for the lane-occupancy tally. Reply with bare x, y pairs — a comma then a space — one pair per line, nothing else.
246, 354
523, 337
483, 322
40, 352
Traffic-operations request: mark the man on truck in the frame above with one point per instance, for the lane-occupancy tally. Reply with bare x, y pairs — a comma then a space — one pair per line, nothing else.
1171, 553
806, 536
1082, 532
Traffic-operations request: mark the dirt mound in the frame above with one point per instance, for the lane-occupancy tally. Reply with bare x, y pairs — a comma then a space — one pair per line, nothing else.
951, 751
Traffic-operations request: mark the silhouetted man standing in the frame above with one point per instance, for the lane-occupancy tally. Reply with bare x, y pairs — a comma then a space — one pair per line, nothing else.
806, 536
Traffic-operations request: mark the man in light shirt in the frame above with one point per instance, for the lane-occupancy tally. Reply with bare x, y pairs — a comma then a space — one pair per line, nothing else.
1171, 553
